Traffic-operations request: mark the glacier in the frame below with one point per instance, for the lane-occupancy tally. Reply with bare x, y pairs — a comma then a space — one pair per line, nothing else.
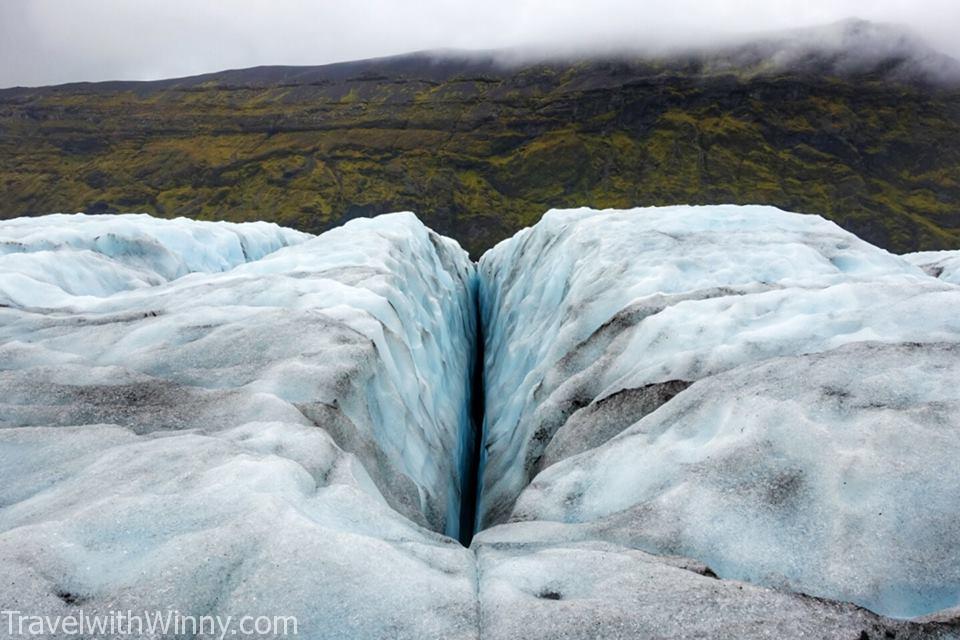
940, 264
49, 259
756, 389
230, 417
719, 421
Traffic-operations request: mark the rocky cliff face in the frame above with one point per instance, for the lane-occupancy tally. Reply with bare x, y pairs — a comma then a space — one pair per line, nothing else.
480, 146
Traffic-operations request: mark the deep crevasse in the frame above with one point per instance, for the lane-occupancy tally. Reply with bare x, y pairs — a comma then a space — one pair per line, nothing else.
286, 433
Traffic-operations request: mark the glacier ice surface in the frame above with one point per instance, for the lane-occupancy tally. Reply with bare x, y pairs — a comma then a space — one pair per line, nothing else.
593, 589
242, 419
44, 258
222, 418
756, 389
940, 264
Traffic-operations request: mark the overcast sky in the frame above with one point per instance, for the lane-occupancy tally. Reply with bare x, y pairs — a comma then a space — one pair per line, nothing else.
53, 41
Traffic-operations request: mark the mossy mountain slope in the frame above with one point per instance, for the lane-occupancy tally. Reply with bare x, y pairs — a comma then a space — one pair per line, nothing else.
480, 147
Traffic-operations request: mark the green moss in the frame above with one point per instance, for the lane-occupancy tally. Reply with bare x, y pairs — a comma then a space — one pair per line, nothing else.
478, 157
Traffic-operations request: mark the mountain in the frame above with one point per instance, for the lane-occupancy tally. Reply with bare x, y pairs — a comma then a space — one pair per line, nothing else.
722, 422
855, 121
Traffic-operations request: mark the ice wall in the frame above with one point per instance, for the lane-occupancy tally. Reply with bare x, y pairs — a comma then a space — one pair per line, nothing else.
194, 417
652, 381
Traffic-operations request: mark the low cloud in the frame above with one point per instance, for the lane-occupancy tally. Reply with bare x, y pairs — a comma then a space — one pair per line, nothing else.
54, 41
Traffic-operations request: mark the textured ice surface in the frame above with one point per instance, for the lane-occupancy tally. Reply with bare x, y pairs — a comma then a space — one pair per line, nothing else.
282, 434
594, 589
206, 418
260, 519
824, 474
45, 257
940, 264
831, 475
365, 330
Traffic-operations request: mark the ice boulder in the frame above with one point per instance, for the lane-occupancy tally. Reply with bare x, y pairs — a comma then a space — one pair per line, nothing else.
758, 390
